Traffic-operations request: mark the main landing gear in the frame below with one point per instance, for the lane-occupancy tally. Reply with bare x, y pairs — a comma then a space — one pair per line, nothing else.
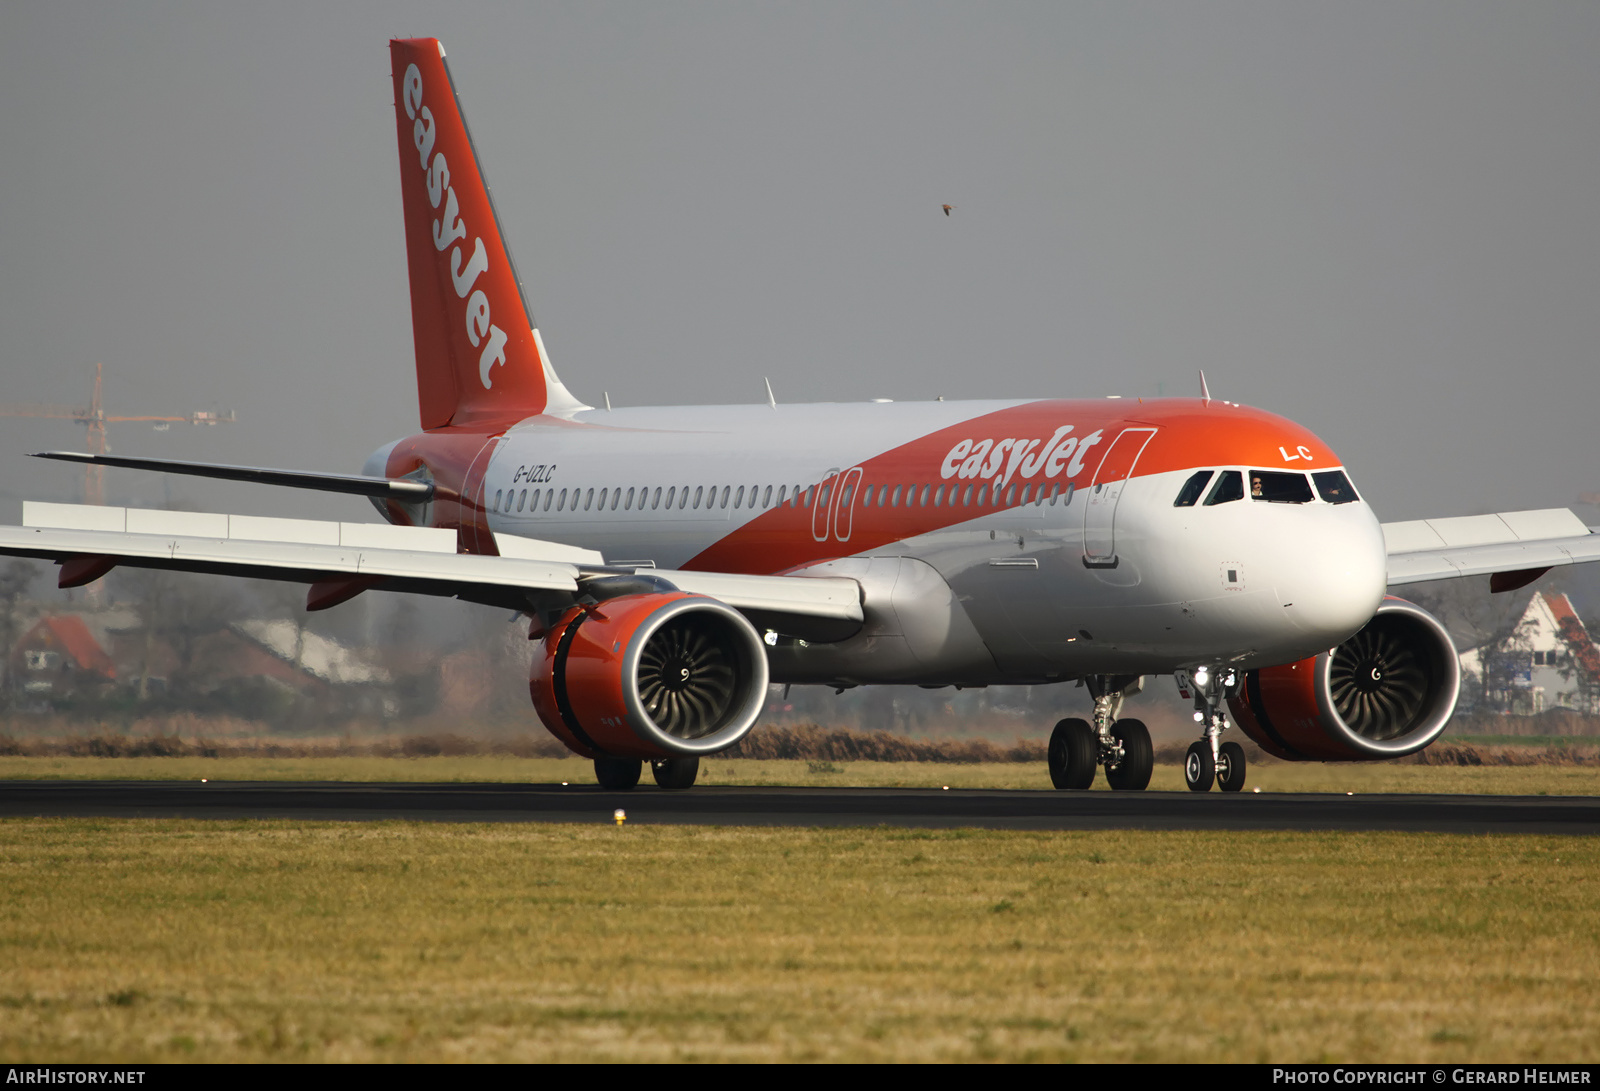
1208, 759
1077, 748
621, 774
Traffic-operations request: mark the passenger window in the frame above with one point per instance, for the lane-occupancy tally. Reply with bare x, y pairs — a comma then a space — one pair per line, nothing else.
683, 498
616, 496
766, 498
725, 490
1229, 487
1276, 487
1189, 495
627, 505
1334, 487
808, 495
588, 499
866, 496
497, 496
672, 494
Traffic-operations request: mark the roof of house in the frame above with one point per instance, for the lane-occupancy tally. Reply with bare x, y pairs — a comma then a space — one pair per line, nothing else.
69, 633
1574, 632
316, 655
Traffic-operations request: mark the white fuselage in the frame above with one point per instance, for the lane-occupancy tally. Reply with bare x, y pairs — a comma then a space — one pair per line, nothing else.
1071, 581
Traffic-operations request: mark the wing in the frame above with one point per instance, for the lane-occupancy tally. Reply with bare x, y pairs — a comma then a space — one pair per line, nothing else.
1513, 548
341, 560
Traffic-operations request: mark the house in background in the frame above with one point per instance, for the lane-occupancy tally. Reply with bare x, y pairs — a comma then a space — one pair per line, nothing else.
259, 665
1548, 661
266, 668
58, 657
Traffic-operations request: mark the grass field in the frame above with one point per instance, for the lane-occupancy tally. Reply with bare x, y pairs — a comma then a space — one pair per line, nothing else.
1269, 777
135, 941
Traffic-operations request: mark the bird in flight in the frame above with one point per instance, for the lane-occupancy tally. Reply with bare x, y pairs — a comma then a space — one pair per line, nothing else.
947, 209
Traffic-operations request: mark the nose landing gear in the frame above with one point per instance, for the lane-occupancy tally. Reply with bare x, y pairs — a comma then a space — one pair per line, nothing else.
1209, 759
1122, 746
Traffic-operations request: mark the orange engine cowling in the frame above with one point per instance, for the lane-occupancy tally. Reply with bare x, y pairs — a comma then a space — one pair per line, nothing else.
1386, 692
650, 676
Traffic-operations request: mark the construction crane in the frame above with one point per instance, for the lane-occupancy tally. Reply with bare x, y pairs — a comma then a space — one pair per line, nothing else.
94, 418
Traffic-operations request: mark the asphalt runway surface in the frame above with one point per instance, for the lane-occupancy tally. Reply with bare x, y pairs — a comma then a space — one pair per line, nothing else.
769, 806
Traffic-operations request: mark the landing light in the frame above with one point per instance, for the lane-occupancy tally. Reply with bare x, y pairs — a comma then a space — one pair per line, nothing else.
1199, 717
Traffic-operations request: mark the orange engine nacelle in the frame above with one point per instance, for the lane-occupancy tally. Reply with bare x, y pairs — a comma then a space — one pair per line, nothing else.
654, 675
1386, 692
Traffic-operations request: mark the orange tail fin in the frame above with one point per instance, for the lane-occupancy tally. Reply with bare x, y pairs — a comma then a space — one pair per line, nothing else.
480, 360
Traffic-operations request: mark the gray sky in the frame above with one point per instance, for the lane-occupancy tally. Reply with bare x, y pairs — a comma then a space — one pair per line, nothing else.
1377, 219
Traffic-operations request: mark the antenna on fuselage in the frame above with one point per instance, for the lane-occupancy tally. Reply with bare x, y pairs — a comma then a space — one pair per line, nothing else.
608, 401
770, 399
1205, 393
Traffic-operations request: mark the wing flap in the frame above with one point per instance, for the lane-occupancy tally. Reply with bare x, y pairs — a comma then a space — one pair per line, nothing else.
205, 524
813, 596
305, 562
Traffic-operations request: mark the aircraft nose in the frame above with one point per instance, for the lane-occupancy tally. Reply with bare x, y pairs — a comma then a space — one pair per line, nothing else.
1331, 583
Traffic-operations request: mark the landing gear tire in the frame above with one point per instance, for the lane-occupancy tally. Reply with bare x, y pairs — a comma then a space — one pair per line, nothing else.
1132, 773
1199, 768
617, 774
1074, 754
675, 774
1230, 767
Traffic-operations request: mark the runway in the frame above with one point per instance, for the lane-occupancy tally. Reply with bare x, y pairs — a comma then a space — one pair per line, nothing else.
766, 806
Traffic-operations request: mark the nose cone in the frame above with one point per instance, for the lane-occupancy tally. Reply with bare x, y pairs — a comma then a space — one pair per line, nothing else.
1334, 573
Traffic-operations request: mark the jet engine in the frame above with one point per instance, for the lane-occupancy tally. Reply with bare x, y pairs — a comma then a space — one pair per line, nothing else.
656, 675
1387, 691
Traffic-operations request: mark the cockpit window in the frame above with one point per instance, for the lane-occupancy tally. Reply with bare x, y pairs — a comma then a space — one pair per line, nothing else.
1279, 488
1192, 489
1229, 486
1334, 487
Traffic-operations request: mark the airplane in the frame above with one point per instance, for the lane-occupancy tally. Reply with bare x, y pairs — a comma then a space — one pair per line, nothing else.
674, 562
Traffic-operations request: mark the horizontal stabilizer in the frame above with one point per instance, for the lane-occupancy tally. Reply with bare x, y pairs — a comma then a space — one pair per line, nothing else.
394, 488
1483, 545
